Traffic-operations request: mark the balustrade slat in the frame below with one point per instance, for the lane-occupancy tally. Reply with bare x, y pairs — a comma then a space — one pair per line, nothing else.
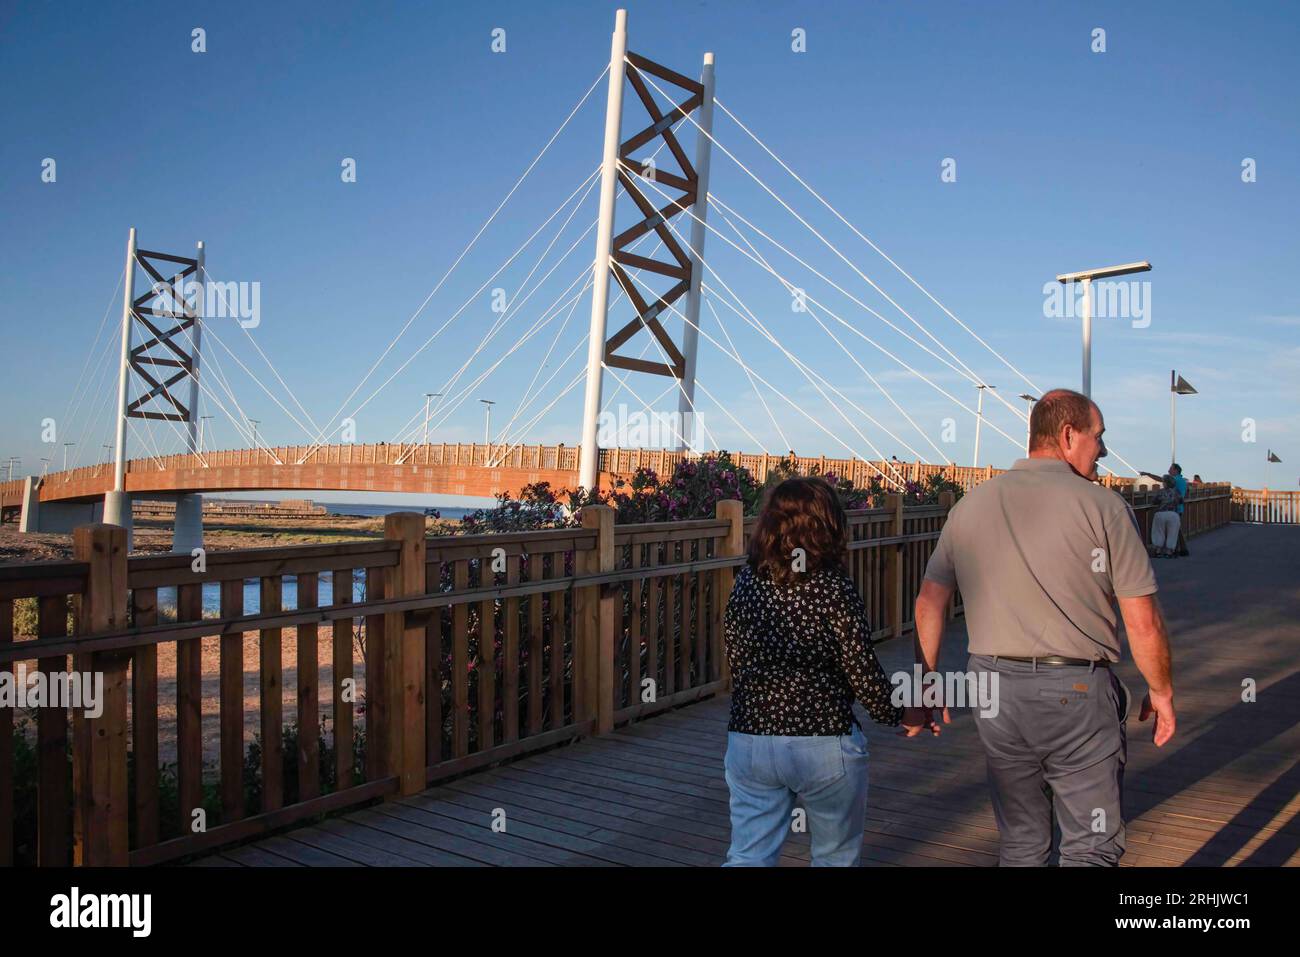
376, 686
53, 846
536, 663
144, 720
672, 610
6, 746
510, 659
555, 602
308, 692
460, 663
231, 694
271, 672
189, 708
433, 707
654, 593
343, 681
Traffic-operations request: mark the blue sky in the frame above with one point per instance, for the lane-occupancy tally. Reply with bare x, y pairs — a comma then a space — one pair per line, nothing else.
1065, 159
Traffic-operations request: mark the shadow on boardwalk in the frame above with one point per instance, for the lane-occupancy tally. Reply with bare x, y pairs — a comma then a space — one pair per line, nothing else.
1224, 792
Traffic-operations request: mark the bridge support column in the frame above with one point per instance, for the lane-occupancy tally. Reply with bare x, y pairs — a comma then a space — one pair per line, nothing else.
187, 530
589, 456
117, 511
691, 329
30, 518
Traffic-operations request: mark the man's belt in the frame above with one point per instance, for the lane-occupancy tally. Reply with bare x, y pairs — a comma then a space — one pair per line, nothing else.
1059, 661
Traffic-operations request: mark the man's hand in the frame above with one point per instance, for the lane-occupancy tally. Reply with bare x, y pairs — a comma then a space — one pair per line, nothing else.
1162, 706
917, 720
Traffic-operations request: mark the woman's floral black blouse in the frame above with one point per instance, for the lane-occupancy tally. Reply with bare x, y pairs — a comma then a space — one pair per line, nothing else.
799, 656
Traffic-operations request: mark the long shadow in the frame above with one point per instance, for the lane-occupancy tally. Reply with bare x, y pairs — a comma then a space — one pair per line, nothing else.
1235, 604
1275, 851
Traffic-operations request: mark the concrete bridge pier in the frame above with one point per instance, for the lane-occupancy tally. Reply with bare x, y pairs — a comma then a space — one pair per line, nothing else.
117, 511
56, 517
187, 530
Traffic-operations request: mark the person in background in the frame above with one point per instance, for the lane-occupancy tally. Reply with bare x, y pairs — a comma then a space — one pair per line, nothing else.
1180, 483
1166, 522
798, 643
1196, 480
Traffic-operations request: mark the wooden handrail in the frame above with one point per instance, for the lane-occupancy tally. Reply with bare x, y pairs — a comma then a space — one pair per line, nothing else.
569, 631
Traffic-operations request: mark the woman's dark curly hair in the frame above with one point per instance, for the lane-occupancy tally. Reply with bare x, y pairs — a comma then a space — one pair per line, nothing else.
799, 513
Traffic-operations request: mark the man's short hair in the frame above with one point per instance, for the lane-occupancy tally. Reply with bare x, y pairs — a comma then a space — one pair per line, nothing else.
1054, 411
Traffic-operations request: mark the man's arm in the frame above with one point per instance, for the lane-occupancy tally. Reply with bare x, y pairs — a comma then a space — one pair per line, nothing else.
1148, 639
931, 615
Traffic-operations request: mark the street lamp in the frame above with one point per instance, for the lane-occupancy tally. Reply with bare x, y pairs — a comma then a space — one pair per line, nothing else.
1177, 386
254, 423
65, 454
979, 417
1086, 277
427, 397
202, 419
1030, 400
487, 427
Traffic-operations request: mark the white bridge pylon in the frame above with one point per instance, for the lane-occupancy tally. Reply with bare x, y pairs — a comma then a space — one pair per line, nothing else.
612, 254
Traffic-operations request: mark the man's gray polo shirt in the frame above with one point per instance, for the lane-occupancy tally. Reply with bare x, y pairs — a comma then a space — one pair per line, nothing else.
1039, 555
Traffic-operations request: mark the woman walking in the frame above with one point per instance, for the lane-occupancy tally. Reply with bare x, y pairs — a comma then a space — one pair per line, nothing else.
1166, 523
797, 643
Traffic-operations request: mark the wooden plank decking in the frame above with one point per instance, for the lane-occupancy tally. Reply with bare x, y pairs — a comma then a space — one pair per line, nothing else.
1223, 793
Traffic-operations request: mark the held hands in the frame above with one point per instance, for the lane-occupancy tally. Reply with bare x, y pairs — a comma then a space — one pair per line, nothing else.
917, 720
1162, 706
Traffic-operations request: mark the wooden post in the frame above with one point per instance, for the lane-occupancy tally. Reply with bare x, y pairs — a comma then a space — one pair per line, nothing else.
100, 774
731, 511
597, 618
404, 651
894, 567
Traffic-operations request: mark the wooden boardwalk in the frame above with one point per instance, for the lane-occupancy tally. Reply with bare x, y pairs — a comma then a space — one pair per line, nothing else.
652, 794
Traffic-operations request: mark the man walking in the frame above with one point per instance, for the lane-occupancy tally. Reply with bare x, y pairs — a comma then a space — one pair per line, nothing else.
1041, 554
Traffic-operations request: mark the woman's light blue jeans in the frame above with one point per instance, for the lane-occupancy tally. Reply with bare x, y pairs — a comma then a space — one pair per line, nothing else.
766, 773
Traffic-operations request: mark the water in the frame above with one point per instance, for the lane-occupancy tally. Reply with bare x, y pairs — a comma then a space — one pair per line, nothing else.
253, 595
289, 590
342, 508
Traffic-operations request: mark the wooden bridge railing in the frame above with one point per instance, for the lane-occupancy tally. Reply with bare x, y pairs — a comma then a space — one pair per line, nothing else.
1266, 506
473, 649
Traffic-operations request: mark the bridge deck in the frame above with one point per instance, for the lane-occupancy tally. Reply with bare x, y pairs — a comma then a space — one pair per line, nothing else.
1224, 792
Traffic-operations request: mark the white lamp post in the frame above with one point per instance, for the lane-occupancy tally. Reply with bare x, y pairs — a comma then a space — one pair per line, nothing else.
1177, 386
427, 397
1030, 400
979, 417
1086, 277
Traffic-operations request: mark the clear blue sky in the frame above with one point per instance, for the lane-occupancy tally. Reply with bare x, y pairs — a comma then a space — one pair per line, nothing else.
1065, 159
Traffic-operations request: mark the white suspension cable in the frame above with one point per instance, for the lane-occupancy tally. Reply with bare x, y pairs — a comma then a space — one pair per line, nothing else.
465, 251
221, 288
452, 318
876, 248
515, 303
803, 368
785, 443
876, 382
809, 298
77, 393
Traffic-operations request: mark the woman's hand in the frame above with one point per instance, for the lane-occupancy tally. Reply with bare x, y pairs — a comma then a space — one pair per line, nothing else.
916, 720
